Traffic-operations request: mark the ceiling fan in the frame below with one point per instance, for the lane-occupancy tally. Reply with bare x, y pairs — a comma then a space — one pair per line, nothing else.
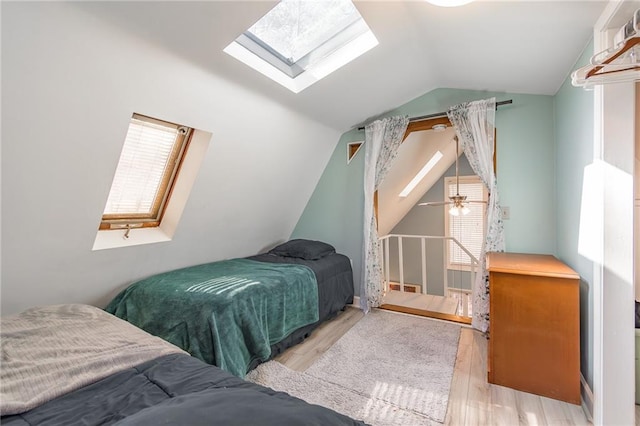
458, 201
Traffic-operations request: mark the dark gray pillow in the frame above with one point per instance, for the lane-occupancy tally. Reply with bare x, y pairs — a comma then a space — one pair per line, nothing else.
303, 249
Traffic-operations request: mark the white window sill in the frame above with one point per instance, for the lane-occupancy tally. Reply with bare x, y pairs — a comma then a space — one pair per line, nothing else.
115, 238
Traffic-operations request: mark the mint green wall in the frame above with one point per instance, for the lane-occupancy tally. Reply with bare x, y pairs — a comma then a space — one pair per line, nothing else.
526, 176
543, 145
335, 209
574, 151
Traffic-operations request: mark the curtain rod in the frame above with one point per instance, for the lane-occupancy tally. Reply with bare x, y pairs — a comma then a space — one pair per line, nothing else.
444, 114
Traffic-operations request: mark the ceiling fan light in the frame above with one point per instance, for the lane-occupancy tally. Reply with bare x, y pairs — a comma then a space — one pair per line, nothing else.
449, 3
459, 209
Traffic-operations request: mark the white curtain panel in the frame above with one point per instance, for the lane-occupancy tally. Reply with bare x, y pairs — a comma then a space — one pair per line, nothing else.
475, 125
382, 140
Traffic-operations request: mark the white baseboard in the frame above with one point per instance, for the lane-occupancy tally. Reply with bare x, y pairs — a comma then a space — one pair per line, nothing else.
356, 301
587, 398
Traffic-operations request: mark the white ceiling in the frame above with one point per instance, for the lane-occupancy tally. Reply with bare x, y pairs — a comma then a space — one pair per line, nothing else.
505, 46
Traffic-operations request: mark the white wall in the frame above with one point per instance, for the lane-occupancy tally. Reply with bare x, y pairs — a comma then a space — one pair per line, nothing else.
614, 142
70, 83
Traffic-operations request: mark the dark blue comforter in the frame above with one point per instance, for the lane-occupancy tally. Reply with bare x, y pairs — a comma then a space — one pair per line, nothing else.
177, 390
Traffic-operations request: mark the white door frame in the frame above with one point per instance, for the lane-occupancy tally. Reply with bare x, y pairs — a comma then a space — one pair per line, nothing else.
613, 328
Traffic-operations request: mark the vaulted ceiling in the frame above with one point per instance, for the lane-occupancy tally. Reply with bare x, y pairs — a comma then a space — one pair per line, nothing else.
74, 72
509, 45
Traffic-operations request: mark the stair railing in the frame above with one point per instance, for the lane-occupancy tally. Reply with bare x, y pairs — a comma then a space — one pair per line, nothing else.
462, 294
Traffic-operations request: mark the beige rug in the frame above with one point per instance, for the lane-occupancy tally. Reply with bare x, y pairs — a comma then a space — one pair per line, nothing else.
389, 369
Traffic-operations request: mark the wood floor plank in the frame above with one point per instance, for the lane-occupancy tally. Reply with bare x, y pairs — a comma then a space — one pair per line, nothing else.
446, 305
466, 336
503, 409
329, 332
457, 409
478, 400
578, 415
302, 356
295, 361
556, 412
427, 302
530, 412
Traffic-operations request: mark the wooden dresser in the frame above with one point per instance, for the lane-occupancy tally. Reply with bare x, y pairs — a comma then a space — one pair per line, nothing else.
534, 331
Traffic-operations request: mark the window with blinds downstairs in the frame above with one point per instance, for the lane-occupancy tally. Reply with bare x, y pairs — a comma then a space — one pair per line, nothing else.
148, 167
468, 229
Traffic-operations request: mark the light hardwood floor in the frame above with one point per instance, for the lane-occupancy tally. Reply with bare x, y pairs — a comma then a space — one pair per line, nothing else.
472, 400
427, 302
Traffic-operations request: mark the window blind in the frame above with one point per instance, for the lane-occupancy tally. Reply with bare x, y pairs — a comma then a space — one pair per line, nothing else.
467, 229
147, 164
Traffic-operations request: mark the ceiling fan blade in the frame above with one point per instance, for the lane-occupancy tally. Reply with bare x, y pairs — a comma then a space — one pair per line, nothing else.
436, 203
444, 203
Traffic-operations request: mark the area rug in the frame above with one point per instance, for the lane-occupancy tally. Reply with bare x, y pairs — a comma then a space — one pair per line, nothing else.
389, 369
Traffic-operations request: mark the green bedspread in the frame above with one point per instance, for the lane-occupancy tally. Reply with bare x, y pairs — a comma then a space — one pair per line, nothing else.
226, 313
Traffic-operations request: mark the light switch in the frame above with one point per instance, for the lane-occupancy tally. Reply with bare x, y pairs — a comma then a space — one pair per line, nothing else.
506, 213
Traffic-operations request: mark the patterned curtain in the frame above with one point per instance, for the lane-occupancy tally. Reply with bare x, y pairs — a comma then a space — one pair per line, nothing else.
475, 125
381, 142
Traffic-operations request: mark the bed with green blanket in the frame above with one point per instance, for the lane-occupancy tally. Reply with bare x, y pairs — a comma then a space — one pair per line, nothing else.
234, 313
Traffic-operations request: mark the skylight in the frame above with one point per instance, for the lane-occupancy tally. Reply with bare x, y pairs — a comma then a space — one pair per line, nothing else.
158, 166
294, 29
299, 42
421, 174
148, 165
